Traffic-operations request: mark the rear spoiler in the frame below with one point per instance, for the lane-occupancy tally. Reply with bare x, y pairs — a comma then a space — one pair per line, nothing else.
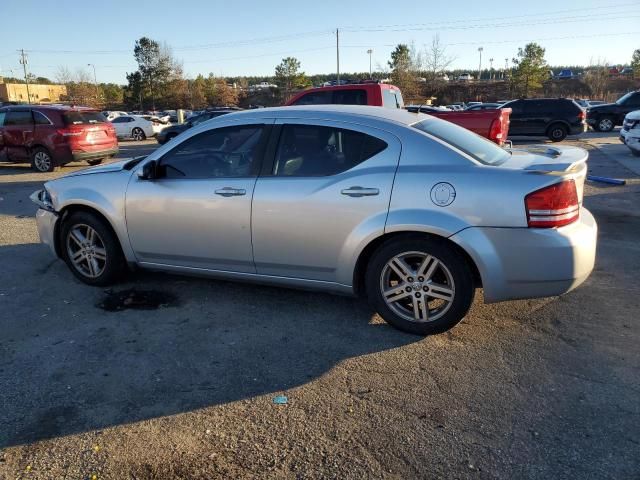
561, 159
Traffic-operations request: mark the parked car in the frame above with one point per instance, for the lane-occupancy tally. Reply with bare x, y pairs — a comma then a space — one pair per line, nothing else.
426, 109
604, 118
50, 136
554, 118
627, 71
375, 94
492, 125
465, 77
111, 114
174, 130
483, 106
630, 133
325, 198
565, 74
133, 126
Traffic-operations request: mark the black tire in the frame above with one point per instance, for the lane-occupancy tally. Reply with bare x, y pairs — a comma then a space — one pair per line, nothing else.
95, 161
557, 132
42, 161
456, 265
138, 134
604, 124
114, 264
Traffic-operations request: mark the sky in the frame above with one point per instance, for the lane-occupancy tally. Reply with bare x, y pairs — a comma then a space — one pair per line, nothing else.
250, 37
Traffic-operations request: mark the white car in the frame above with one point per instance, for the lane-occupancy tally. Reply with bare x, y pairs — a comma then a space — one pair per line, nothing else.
133, 126
111, 115
465, 77
630, 133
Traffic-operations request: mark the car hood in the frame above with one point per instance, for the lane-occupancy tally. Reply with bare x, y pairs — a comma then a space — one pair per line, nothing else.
108, 167
635, 115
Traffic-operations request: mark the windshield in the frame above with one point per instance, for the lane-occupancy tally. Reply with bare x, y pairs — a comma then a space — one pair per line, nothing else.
477, 147
83, 118
624, 98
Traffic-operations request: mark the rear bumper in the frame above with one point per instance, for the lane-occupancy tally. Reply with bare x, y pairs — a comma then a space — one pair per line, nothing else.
79, 156
517, 263
46, 221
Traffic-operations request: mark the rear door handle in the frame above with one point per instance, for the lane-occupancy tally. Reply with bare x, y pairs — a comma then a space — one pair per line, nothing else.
360, 192
230, 192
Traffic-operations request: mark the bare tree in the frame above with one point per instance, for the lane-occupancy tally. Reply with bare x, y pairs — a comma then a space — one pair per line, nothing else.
436, 60
597, 77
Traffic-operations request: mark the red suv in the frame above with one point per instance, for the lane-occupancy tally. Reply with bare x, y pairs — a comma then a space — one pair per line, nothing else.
376, 94
50, 136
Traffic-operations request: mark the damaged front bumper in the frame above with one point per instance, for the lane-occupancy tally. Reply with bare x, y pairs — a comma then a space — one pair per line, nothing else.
46, 218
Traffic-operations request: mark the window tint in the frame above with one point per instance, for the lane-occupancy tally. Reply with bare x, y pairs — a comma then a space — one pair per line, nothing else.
120, 120
473, 145
350, 97
18, 118
633, 101
222, 152
314, 98
2, 115
315, 151
516, 107
82, 118
40, 119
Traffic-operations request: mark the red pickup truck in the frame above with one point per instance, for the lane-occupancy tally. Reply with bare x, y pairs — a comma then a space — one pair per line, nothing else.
491, 124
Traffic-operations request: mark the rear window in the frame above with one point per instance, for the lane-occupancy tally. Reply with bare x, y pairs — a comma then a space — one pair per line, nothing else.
475, 146
392, 98
350, 97
83, 118
314, 98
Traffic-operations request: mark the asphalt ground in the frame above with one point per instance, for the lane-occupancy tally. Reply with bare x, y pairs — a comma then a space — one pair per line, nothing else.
539, 389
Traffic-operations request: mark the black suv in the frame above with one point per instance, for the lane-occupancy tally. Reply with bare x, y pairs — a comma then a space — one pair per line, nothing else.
547, 117
174, 130
604, 118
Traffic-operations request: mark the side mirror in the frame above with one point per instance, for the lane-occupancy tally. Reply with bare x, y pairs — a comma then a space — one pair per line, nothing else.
148, 171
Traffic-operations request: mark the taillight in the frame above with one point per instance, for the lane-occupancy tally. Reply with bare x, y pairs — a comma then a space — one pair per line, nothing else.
553, 206
495, 131
582, 115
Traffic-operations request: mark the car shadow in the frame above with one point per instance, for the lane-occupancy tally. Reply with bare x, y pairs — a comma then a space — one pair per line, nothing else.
68, 366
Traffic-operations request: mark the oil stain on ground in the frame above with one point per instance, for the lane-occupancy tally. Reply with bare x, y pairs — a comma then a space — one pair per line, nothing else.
137, 300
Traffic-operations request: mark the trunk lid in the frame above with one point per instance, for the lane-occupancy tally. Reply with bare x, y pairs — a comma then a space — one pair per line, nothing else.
564, 162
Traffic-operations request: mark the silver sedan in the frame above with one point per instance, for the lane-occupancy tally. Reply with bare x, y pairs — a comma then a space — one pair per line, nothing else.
410, 211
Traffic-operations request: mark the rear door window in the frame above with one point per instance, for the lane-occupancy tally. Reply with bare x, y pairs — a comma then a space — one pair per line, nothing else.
317, 151
2, 115
350, 97
40, 119
314, 98
83, 118
20, 117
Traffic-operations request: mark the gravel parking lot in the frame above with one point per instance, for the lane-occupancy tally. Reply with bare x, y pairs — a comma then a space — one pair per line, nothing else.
535, 389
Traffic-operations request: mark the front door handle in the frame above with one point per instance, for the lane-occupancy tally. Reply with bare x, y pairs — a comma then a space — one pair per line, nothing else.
230, 192
360, 192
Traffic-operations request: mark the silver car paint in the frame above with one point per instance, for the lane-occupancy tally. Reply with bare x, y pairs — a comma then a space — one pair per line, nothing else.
486, 197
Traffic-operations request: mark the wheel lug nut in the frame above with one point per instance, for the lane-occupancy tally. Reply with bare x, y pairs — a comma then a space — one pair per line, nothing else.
425, 288
408, 289
409, 279
417, 294
421, 279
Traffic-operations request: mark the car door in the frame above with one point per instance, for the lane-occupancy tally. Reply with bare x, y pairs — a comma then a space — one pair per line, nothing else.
17, 134
122, 126
517, 119
325, 182
196, 212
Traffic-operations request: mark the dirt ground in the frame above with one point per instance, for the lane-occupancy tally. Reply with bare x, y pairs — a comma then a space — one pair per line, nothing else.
540, 389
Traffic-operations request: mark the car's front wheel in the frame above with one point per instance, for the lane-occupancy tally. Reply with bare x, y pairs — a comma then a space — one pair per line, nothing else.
557, 132
137, 134
420, 285
91, 249
605, 124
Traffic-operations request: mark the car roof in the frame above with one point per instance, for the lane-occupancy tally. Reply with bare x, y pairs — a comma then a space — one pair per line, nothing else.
60, 108
354, 113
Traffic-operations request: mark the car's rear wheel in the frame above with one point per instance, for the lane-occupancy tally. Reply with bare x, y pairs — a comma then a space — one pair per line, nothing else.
605, 124
96, 161
137, 134
557, 132
420, 285
91, 249
41, 160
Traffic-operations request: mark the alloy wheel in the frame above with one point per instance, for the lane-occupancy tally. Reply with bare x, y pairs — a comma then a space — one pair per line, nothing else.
417, 286
42, 161
137, 135
605, 124
86, 250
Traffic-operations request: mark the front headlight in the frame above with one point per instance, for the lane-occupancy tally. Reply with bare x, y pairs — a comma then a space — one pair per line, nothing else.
42, 198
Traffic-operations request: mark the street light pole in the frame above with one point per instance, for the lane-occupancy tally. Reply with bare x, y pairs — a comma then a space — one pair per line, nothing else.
491, 68
370, 51
480, 65
506, 67
95, 80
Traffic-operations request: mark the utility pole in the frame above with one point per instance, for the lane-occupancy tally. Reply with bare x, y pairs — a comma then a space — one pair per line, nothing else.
370, 51
480, 65
23, 62
491, 68
338, 55
95, 81
506, 67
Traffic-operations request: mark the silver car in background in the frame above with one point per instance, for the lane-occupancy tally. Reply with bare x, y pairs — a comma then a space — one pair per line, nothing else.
410, 211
